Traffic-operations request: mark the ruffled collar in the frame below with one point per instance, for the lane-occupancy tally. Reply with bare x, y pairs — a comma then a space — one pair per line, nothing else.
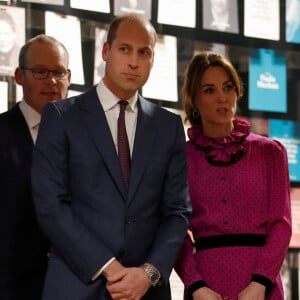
221, 151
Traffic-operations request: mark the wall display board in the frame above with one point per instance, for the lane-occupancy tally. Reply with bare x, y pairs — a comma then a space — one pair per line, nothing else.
164, 71
52, 2
292, 21
3, 96
267, 80
246, 31
181, 40
60, 26
102, 6
262, 19
295, 201
183, 12
288, 133
99, 65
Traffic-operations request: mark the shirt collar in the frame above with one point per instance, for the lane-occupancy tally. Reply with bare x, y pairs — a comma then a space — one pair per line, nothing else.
31, 116
109, 100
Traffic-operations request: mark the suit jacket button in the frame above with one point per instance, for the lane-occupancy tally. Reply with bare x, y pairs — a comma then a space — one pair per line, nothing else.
128, 221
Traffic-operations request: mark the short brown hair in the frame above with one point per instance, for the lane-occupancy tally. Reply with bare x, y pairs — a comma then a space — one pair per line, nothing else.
194, 74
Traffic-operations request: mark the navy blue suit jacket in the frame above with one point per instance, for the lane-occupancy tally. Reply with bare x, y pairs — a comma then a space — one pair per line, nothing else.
84, 207
23, 251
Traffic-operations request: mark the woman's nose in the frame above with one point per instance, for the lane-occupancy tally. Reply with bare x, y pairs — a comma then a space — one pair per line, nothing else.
221, 97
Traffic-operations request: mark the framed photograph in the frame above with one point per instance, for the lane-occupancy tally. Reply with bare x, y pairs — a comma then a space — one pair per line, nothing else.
12, 37
220, 15
142, 7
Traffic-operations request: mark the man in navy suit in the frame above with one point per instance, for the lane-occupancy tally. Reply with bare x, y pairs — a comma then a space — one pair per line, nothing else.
110, 241
44, 76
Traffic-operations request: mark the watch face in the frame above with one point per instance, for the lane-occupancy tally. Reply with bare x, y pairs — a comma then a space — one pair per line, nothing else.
154, 278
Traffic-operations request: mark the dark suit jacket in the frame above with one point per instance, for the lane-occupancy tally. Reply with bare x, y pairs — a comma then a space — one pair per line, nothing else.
83, 205
23, 250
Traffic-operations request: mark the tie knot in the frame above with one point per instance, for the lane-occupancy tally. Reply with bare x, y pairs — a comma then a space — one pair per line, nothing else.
123, 105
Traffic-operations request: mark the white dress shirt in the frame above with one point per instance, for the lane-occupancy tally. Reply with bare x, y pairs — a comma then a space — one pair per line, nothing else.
32, 118
111, 108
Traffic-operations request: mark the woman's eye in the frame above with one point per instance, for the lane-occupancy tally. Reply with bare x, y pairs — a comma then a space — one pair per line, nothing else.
208, 91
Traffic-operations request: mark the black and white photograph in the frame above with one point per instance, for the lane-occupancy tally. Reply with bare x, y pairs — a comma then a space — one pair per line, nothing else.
142, 7
12, 36
220, 15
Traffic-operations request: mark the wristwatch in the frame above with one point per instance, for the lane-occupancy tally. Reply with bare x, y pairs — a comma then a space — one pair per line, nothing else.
152, 273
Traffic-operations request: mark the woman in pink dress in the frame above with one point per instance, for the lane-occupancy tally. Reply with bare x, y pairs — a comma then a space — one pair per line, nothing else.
239, 188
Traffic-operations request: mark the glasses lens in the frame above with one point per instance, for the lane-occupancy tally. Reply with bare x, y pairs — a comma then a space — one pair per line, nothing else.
39, 73
58, 74
43, 73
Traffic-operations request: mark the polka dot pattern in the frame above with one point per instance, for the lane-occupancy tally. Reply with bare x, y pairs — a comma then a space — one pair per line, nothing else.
250, 196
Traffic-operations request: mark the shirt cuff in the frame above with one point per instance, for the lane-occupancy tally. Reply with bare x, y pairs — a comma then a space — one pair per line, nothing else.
98, 273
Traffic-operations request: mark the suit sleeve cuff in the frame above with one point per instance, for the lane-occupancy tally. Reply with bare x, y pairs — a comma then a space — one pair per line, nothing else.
98, 273
195, 286
264, 281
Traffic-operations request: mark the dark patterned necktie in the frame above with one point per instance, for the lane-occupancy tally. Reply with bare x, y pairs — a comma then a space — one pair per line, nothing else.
123, 145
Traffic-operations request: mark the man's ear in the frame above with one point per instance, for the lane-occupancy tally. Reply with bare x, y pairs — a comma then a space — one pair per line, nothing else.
19, 76
69, 78
105, 50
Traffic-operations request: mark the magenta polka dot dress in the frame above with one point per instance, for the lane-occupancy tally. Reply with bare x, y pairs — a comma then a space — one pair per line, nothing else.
239, 188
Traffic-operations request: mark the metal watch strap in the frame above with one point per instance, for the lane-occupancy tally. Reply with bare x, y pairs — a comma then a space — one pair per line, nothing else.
153, 275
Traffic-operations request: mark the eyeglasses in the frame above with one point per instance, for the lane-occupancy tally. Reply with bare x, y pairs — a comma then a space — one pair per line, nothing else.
40, 73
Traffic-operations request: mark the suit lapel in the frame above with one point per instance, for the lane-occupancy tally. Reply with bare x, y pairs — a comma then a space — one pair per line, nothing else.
95, 118
144, 137
21, 133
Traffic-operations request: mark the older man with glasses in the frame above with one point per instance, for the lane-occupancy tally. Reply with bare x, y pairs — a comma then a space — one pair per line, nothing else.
44, 76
